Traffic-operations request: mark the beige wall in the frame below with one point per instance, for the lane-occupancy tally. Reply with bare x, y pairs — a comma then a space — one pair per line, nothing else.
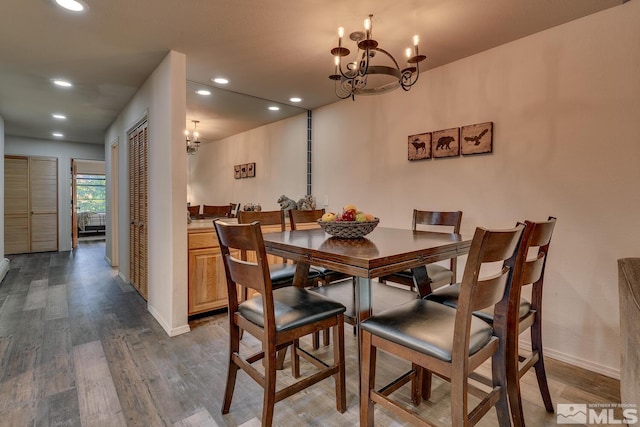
565, 105
162, 99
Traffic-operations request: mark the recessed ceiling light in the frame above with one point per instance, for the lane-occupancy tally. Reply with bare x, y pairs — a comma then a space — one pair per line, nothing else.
57, 134
72, 5
295, 99
274, 108
220, 80
59, 116
61, 83
203, 92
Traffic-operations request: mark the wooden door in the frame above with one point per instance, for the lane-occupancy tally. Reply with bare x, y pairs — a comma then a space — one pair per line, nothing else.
138, 207
16, 205
43, 194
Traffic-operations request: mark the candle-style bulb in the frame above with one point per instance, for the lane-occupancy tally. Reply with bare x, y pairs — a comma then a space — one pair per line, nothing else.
186, 132
416, 39
367, 24
340, 32
196, 135
336, 60
408, 52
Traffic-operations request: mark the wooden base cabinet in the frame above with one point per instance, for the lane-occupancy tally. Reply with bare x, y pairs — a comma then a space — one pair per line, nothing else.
207, 281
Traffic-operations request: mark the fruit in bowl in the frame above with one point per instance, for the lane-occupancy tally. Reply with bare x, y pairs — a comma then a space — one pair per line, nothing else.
350, 223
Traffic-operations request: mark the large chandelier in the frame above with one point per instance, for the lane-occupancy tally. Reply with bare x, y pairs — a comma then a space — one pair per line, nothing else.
361, 77
193, 144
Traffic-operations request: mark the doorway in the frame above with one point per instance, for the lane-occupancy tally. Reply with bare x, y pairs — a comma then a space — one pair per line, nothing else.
88, 201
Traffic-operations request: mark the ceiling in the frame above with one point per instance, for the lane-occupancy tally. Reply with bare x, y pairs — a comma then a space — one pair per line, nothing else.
269, 50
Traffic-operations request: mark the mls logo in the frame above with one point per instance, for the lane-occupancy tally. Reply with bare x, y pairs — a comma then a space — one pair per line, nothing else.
571, 413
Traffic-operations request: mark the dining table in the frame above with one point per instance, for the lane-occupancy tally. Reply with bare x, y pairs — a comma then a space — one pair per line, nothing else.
383, 251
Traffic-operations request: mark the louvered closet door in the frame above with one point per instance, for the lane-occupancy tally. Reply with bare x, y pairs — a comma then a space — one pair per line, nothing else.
16, 205
138, 203
43, 191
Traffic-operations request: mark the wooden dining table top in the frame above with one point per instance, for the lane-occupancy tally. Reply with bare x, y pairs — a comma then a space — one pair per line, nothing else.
383, 251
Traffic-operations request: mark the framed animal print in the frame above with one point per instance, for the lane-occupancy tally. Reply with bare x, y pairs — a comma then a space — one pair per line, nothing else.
445, 143
236, 172
419, 146
251, 170
477, 139
243, 171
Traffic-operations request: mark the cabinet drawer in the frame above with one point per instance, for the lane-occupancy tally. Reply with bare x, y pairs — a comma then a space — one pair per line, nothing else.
203, 240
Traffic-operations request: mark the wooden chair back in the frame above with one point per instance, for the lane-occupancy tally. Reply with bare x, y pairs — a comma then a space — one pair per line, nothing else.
249, 274
476, 292
194, 211
296, 218
451, 220
263, 217
219, 211
234, 209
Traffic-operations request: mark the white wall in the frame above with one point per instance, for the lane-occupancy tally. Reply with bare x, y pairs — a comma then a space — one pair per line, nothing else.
64, 152
279, 151
163, 99
566, 110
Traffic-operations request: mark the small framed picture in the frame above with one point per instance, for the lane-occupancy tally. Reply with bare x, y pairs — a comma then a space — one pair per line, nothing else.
477, 139
251, 170
445, 143
243, 171
419, 146
236, 172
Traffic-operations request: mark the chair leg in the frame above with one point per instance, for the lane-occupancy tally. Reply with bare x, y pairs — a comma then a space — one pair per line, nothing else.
325, 337
541, 374
499, 373
367, 380
315, 340
269, 399
232, 370
338, 359
295, 359
416, 385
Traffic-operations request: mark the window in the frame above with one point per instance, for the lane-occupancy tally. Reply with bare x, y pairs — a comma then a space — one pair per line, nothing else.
90, 193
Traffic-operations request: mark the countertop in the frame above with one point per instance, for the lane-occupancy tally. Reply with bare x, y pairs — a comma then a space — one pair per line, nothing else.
203, 225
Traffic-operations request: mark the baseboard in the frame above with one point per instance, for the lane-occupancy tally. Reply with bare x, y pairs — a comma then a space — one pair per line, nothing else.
575, 361
172, 332
4, 268
123, 277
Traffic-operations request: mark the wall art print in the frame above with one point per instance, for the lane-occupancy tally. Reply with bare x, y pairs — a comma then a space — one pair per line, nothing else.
445, 143
419, 146
477, 139
247, 170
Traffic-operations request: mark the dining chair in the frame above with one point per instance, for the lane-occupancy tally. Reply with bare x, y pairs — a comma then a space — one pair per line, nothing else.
194, 211
304, 220
447, 341
276, 317
210, 211
522, 314
438, 275
282, 272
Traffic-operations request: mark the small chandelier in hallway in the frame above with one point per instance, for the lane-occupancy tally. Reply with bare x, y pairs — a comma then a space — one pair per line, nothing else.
193, 144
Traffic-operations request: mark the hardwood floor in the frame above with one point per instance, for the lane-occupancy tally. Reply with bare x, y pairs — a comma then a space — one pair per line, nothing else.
78, 347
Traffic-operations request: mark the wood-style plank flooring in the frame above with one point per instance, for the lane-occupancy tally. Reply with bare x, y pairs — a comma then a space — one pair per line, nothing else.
78, 348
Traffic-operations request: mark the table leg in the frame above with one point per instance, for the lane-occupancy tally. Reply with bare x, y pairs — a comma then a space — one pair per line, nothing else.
363, 306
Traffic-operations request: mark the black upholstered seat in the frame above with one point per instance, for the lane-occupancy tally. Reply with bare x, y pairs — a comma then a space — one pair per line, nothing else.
282, 275
426, 327
293, 307
437, 274
448, 295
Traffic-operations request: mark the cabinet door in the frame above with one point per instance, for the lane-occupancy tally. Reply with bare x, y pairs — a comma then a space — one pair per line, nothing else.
207, 280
